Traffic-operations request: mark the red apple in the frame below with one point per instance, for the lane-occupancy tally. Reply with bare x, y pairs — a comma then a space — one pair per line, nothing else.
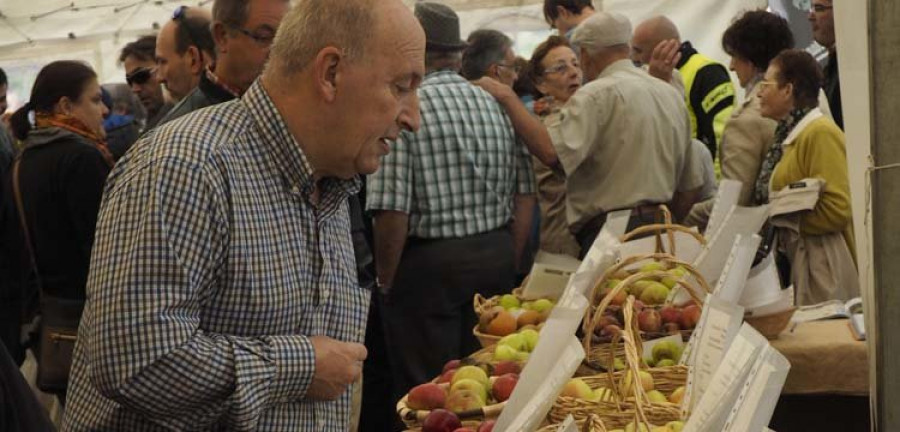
649, 321
426, 396
672, 328
639, 305
465, 429
441, 420
487, 426
446, 376
504, 386
610, 331
506, 367
452, 364
670, 314
606, 320
690, 316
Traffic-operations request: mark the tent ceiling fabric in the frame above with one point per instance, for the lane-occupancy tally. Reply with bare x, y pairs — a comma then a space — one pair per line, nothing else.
42, 28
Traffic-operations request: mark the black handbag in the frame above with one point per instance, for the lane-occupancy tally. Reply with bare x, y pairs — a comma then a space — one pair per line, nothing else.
58, 326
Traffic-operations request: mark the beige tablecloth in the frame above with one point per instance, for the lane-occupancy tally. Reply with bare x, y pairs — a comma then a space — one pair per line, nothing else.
825, 358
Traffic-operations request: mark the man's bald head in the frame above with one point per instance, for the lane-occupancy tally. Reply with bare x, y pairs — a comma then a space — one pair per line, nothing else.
316, 24
648, 34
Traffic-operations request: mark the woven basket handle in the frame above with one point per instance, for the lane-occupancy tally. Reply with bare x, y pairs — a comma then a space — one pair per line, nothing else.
633, 347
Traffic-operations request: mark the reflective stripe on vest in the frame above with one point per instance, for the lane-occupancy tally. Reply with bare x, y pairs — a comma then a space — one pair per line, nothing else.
689, 74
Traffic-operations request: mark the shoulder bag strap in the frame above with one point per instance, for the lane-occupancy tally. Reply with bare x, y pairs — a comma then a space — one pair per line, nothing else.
20, 207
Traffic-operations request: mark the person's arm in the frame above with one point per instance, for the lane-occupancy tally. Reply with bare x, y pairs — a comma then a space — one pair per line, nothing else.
713, 101
745, 142
161, 243
822, 153
523, 211
527, 126
391, 229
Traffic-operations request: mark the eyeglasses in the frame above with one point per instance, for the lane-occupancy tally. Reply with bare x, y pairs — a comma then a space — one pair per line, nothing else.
767, 83
515, 68
262, 39
139, 76
181, 17
560, 68
819, 8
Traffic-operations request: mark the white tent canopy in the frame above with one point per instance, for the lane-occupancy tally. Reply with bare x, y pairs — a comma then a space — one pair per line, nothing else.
35, 32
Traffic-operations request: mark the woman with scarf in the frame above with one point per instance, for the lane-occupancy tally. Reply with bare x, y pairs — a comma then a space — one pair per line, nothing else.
752, 41
819, 243
57, 181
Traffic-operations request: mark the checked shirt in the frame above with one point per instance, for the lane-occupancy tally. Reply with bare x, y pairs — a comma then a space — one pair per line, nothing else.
210, 268
458, 174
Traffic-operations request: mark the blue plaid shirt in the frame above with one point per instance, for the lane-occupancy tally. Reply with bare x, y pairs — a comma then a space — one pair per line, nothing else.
458, 174
210, 268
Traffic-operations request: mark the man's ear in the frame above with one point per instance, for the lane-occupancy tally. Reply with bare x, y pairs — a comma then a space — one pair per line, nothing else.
220, 36
196, 60
327, 69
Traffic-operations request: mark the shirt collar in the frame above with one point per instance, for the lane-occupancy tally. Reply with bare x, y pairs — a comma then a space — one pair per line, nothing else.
213, 78
292, 162
619, 65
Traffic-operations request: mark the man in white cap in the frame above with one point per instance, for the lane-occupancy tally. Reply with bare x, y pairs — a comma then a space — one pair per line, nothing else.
624, 138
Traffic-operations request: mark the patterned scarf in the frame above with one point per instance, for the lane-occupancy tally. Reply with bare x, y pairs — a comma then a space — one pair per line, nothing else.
75, 126
773, 156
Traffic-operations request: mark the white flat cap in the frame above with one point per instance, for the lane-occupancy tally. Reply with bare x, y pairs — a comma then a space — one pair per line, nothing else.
603, 29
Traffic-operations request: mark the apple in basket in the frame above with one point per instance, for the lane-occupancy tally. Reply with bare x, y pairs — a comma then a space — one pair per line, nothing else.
487, 426
426, 396
464, 400
655, 294
690, 316
577, 388
670, 314
649, 321
505, 367
471, 385
504, 386
441, 420
471, 372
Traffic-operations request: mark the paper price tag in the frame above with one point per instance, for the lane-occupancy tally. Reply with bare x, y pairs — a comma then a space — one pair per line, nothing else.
568, 425
719, 323
726, 197
734, 276
739, 221
756, 403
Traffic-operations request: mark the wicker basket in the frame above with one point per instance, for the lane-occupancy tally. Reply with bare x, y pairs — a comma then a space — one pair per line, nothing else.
597, 359
482, 305
621, 411
771, 325
592, 423
414, 418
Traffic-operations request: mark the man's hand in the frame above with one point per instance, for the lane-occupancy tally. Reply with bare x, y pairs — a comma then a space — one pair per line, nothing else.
338, 365
497, 89
665, 56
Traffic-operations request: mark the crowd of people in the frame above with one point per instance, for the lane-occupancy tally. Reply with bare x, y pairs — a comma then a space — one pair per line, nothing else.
293, 235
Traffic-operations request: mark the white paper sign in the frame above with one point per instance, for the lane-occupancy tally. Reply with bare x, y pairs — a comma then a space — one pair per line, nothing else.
539, 385
734, 277
568, 425
712, 410
739, 221
603, 253
718, 326
727, 197
546, 281
756, 403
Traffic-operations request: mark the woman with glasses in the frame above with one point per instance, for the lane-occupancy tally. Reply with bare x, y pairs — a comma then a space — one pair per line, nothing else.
557, 76
808, 144
752, 41
57, 181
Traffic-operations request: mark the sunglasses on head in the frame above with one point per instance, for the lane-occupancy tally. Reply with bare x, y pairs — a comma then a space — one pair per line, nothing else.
139, 76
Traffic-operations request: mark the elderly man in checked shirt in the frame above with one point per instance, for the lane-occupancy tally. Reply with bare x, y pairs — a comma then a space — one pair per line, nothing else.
444, 204
222, 292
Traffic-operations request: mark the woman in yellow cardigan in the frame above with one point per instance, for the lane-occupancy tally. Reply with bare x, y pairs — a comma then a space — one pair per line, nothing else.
808, 144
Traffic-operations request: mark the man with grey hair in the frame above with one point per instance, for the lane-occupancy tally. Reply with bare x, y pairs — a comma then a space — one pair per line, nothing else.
223, 293
623, 139
243, 31
489, 53
449, 219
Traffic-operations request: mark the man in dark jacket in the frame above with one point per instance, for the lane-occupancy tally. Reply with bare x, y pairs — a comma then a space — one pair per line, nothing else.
821, 17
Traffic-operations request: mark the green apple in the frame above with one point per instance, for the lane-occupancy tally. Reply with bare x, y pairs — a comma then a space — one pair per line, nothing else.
522, 356
577, 388
666, 350
474, 386
528, 305
505, 353
515, 341
665, 363
542, 305
675, 426
531, 339
653, 266
630, 428
618, 364
509, 301
471, 372
654, 294
601, 394
645, 379
675, 275
657, 396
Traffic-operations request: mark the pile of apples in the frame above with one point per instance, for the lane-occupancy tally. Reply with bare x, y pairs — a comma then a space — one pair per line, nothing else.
517, 346
512, 314
577, 388
652, 291
654, 321
461, 389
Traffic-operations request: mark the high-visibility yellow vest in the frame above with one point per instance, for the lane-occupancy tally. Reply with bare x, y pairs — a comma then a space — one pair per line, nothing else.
710, 100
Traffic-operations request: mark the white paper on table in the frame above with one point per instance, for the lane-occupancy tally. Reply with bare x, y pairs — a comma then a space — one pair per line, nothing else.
763, 284
727, 197
568, 425
546, 281
734, 277
756, 403
540, 384
603, 253
687, 248
711, 411
719, 324
739, 221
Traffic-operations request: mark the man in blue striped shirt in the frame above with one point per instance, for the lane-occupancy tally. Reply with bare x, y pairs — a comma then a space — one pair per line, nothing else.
222, 293
444, 204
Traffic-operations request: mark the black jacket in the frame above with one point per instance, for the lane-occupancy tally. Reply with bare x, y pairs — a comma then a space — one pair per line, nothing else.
206, 94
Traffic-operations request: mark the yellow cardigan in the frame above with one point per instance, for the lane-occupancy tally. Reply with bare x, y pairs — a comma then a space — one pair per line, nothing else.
819, 151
